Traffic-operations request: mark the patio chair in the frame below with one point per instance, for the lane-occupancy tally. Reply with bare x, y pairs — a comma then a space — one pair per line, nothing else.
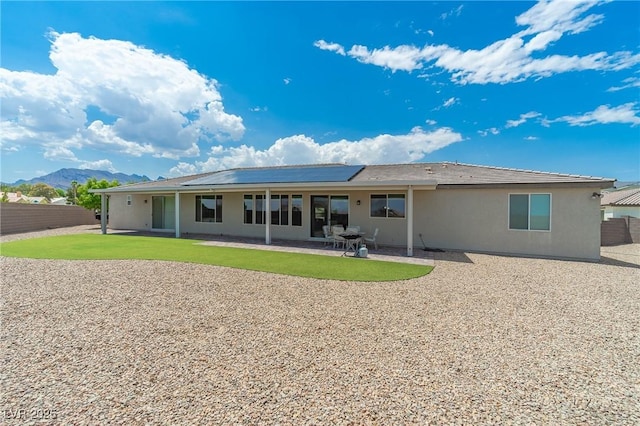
338, 241
372, 239
354, 229
328, 238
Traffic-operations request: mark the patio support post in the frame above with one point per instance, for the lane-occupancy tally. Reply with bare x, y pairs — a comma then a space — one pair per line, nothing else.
103, 212
177, 214
410, 221
267, 206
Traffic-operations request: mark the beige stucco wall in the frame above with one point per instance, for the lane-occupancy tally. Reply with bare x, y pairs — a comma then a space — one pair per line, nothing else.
462, 219
233, 218
478, 220
136, 216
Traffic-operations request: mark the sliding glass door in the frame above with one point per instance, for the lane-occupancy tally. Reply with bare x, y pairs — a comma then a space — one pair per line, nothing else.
328, 210
163, 212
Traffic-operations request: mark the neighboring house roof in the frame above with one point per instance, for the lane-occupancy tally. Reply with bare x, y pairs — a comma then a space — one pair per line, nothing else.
625, 197
59, 201
18, 197
443, 174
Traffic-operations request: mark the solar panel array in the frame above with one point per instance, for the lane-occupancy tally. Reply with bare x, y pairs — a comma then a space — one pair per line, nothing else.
295, 174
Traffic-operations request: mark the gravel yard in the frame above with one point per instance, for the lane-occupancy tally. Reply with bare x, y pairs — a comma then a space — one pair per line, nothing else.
482, 339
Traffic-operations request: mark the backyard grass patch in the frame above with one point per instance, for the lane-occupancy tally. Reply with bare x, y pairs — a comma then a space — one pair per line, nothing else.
109, 247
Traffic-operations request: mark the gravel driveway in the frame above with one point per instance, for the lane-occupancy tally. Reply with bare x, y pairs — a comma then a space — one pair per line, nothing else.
482, 339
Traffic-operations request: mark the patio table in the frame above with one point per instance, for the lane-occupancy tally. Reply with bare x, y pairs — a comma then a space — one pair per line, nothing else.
353, 242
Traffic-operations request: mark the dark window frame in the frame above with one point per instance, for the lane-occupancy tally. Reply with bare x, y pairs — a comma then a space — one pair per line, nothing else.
384, 209
215, 213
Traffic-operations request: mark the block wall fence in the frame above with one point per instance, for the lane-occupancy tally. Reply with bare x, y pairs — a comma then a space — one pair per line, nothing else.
16, 218
624, 230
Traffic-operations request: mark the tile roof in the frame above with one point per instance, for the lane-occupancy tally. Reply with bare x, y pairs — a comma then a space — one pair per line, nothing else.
625, 197
446, 173
443, 174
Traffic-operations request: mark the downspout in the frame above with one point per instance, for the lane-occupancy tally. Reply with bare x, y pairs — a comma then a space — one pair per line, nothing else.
267, 206
177, 226
103, 212
410, 221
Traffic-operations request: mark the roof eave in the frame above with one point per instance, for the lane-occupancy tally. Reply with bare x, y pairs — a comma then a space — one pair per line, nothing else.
299, 186
507, 185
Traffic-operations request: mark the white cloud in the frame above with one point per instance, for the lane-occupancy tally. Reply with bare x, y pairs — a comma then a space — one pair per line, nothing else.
302, 149
332, 47
487, 132
449, 102
531, 138
59, 153
286, 81
510, 59
457, 11
182, 169
259, 109
98, 165
431, 122
431, 33
563, 15
401, 58
148, 103
629, 83
623, 114
523, 118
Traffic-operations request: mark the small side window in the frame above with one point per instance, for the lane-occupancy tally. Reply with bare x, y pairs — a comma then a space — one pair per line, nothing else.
129, 202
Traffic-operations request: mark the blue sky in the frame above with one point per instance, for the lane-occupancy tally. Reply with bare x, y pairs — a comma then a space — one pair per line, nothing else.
167, 89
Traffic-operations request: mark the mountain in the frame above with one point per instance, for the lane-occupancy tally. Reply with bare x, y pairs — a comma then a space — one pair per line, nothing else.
63, 177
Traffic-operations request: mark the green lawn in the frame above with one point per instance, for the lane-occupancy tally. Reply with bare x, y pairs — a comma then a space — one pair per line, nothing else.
105, 247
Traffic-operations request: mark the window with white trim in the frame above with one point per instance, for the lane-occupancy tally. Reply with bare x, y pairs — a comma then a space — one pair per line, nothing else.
209, 208
388, 205
530, 212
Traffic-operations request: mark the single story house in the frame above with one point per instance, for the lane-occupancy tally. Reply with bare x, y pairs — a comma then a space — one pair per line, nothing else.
622, 203
447, 205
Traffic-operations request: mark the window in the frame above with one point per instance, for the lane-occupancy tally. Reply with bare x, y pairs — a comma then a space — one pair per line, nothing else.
129, 202
388, 205
248, 209
209, 208
255, 208
296, 210
530, 212
339, 208
285, 209
279, 209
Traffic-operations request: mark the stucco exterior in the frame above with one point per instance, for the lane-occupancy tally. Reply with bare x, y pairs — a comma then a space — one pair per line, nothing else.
477, 220
455, 219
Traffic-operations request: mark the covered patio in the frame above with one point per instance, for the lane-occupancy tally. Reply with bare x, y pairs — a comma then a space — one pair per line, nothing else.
383, 253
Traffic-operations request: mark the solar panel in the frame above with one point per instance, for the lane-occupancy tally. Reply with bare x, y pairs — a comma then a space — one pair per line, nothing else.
295, 174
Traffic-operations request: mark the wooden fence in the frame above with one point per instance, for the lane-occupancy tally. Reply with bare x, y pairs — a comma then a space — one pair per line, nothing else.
15, 217
616, 231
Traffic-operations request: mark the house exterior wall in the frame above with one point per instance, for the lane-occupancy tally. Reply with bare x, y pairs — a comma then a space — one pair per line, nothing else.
478, 220
392, 231
137, 216
460, 219
611, 212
